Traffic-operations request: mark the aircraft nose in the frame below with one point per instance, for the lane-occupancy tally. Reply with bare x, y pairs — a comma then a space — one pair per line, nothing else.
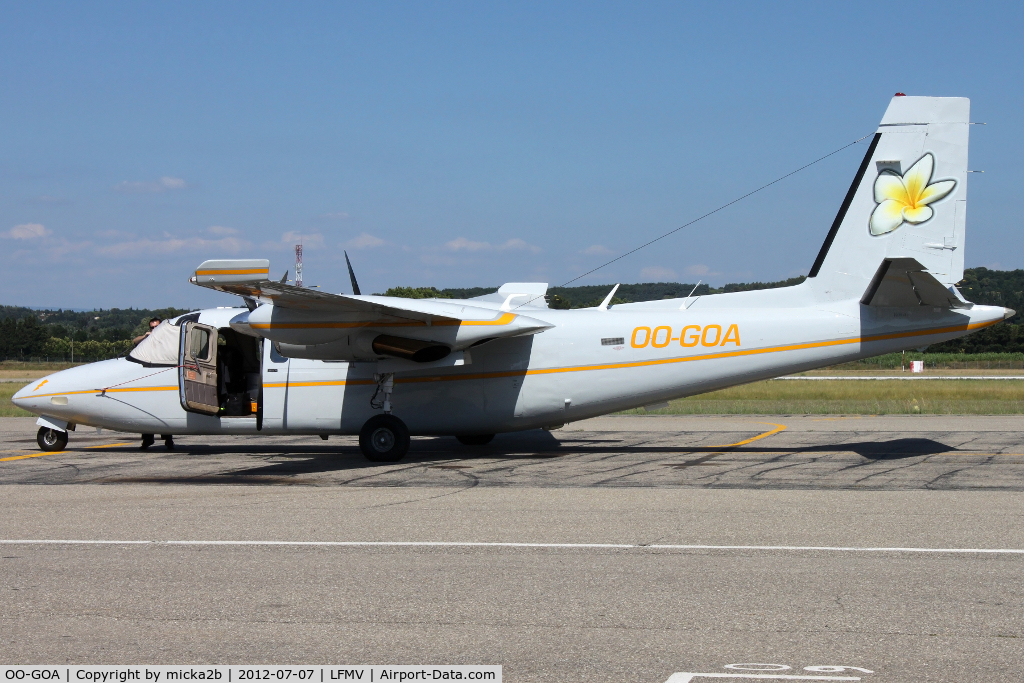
21, 397
1008, 313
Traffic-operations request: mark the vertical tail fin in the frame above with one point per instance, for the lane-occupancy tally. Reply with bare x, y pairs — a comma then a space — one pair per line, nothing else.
908, 199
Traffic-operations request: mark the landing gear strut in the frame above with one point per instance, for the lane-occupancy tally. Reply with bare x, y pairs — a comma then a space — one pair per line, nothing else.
51, 439
385, 385
384, 438
147, 441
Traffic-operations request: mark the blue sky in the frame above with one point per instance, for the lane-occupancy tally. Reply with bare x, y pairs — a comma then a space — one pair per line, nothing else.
466, 144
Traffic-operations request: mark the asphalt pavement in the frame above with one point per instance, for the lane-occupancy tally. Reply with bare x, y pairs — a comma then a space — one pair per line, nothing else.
616, 549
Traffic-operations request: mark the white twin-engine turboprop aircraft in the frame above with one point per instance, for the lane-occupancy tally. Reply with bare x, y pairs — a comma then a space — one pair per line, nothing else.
299, 361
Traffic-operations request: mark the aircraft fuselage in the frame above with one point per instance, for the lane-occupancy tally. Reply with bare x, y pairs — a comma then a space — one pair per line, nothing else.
590, 362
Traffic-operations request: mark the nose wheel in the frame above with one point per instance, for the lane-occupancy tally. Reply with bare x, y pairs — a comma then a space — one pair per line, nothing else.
51, 439
384, 438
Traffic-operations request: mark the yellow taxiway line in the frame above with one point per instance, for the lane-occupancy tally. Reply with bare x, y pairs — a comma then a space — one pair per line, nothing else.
778, 428
44, 453
28, 455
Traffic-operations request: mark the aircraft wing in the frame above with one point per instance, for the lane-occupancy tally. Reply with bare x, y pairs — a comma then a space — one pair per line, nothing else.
250, 278
905, 282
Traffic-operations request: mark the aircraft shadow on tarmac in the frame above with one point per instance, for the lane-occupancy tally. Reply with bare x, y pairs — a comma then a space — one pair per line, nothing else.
895, 449
308, 459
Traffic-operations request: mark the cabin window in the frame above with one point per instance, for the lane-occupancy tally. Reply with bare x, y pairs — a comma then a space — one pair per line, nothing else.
613, 341
200, 347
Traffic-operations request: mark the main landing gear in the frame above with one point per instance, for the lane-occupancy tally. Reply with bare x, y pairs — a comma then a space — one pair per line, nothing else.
51, 440
384, 438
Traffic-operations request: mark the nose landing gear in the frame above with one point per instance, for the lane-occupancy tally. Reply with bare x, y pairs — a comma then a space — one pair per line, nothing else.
51, 440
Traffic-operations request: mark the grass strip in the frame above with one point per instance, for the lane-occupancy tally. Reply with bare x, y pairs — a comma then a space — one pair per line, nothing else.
850, 397
8, 409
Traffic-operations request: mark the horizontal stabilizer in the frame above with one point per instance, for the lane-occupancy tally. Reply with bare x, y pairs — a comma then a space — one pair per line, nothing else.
902, 282
517, 295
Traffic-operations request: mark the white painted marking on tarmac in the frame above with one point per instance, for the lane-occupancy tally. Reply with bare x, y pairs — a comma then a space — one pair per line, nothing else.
685, 677
510, 544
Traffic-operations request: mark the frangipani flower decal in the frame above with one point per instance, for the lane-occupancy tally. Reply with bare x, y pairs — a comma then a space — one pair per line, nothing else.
906, 197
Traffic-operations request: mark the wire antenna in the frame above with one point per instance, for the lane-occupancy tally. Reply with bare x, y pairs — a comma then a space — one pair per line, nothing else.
709, 213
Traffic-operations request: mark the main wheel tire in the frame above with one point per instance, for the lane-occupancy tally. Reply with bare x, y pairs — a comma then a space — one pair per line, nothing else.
384, 438
474, 439
51, 439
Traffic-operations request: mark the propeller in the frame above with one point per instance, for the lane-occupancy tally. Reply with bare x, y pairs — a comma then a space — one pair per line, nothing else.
352, 275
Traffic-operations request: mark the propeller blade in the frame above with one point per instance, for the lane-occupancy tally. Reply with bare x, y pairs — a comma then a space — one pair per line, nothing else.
352, 275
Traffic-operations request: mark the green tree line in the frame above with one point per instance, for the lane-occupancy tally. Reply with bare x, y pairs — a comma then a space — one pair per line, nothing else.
29, 333
87, 335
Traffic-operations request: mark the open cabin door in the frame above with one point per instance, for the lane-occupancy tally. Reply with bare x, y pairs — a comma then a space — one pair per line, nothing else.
197, 369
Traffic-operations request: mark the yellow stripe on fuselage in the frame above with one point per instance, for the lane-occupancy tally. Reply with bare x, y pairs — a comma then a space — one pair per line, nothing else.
106, 391
706, 356
583, 368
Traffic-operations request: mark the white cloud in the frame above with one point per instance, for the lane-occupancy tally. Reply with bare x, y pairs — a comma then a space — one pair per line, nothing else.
228, 245
598, 250
658, 273
27, 231
364, 241
144, 187
515, 244
172, 183
698, 269
314, 239
221, 230
518, 245
462, 244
